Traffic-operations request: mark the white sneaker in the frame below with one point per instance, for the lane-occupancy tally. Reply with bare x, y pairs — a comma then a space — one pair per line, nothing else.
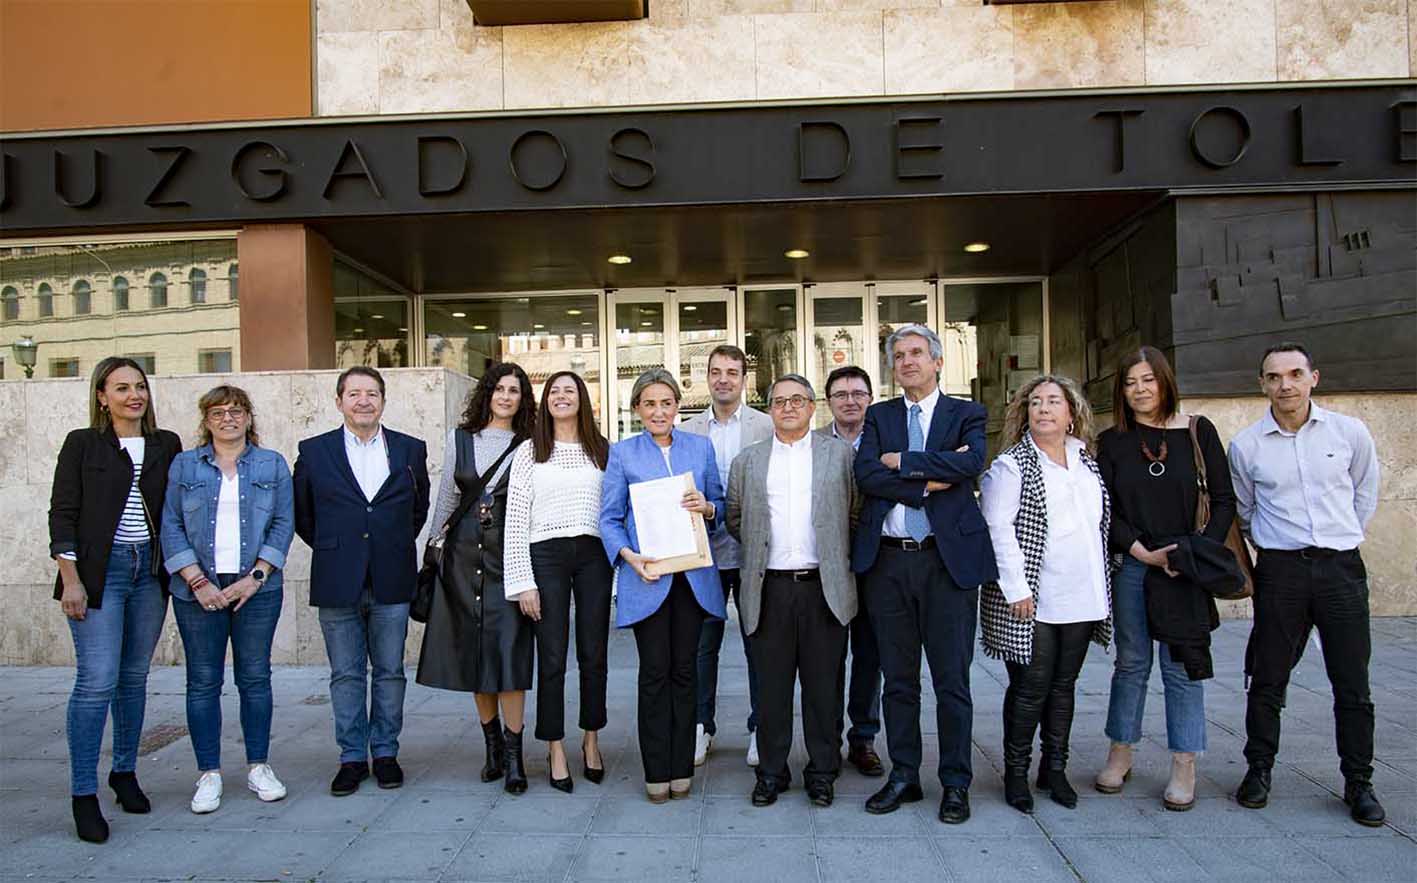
753, 749
208, 796
703, 743
262, 779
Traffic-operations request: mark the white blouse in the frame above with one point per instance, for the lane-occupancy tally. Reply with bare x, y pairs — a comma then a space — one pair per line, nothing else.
228, 526
558, 498
1071, 580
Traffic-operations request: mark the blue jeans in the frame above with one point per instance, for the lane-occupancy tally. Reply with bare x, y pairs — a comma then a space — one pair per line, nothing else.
706, 681
1185, 698
204, 637
374, 633
113, 647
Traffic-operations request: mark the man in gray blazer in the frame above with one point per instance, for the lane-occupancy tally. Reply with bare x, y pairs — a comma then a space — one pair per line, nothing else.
790, 500
732, 426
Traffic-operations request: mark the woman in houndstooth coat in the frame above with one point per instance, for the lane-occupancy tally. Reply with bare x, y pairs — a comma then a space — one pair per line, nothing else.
1048, 514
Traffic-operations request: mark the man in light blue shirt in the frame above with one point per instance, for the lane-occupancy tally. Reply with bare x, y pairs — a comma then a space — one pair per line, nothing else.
1306, 485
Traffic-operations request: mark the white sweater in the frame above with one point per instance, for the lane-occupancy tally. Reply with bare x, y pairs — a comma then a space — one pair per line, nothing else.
558, 498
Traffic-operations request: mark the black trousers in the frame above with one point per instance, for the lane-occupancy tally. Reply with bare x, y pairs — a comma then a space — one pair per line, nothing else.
798, 638
566, 567
1043, 692
863, 691
913, 603
668, 644
1294, 593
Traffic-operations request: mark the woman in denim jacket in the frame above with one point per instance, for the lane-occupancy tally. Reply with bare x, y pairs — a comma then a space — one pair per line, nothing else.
227, 525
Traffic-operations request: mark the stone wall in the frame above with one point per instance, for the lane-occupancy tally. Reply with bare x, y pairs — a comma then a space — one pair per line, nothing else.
290, 406
427, 56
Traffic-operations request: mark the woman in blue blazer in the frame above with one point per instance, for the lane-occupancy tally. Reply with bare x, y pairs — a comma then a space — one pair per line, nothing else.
666, 611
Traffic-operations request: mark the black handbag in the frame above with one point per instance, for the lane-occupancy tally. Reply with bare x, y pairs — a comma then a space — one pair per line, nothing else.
430, 576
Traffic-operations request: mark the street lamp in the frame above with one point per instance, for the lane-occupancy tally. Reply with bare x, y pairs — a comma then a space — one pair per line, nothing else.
25, 350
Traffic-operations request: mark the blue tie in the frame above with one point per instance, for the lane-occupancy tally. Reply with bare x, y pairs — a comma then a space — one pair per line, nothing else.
917, 523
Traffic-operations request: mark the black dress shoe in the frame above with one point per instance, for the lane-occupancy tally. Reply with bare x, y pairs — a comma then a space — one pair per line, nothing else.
954, 806
348, 778
891, 796
130, 796
1363, 804
387, 772
821, 793
566, 785
594, 775
766, 790
1254, 789
88, 819
1060, 789
1016, 793
866, 760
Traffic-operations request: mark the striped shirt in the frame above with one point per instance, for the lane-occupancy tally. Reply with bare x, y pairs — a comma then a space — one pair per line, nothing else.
133, 526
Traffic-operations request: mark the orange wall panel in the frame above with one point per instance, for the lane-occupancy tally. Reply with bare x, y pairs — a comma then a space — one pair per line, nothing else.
67, 64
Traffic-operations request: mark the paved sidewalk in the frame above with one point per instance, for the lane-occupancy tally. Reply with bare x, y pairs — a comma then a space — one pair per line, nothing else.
444, 824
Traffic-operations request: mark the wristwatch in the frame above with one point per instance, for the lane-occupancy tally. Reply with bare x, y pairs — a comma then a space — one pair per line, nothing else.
258, 575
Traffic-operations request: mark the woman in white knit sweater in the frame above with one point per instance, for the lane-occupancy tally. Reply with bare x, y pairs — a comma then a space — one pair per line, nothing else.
553, 552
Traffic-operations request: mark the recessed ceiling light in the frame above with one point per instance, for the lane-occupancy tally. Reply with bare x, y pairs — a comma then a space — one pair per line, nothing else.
359, 331
646, 324
784, 308
585, 323
619, 259
977, 247
919, 303
459, 315
377, 316
479, 328
574, 312
538, 325
404, 329
689, 308
796, 254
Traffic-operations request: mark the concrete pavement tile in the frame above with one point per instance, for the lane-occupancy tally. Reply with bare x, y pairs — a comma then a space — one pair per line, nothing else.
1121, 816
633, 814
278, 855
989, 859
1386, 779
757, 860
1305, 817
733, 780
430, 811
621, 858
521, 857
737, 816
1211, 818
989, 816
527, 814
1388, 858
852, 859
848, 818
57, 851
385, 856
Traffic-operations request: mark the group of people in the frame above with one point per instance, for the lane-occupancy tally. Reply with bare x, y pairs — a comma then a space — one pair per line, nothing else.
882, 533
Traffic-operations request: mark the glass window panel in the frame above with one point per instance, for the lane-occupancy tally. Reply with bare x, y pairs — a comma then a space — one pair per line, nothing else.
639, 346
838, 332
371, 321
11, 298
45, 300
993, 338
147, 360
214, 361
83, 298
157, 290
232, 280
544, 334
892, 312
197, 281
769, 339
120, 293
703, 325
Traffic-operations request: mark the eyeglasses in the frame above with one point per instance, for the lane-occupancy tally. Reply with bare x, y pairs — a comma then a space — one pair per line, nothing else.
855, 395
798, 401
235, 412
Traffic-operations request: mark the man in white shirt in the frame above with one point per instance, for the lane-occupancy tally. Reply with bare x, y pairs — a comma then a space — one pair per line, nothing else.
732, 426
1306, 485
796, 491
848, 392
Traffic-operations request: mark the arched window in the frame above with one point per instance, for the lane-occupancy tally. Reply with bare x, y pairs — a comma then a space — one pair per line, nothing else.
198, 280
83, 298
46, 300
10, 298
157, 290
120, 293
231, 280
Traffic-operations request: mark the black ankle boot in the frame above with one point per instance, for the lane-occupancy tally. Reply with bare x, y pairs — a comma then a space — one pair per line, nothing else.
88, 819
493, 766
130, 796
1016, 793
513, 773
1043, 762
1059, 787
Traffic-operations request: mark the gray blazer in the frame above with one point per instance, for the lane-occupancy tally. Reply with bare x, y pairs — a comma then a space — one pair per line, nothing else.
757, 427
833, 502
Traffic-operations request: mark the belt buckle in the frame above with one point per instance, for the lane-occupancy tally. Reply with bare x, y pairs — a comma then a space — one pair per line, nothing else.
801, 576
910, 545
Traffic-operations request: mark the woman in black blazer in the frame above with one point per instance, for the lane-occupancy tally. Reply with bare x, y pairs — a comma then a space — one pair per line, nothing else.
109, 486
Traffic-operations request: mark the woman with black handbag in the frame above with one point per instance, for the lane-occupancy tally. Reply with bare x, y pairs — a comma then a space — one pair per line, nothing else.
476, 640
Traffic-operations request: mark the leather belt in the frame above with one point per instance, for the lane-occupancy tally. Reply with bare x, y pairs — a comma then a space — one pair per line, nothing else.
797, 576
1308, 554
908, 544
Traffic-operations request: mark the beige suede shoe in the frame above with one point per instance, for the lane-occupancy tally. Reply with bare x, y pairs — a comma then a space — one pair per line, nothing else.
1181, 790
1117, 771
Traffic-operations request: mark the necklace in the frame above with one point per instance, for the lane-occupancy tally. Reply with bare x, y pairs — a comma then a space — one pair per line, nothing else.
1157, 460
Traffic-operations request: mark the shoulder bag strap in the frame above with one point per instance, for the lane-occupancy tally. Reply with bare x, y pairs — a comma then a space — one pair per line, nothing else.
470, 499
1202, 484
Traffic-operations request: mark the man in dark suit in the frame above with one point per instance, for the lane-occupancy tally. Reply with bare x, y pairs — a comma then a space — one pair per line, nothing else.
922, 549
361, 496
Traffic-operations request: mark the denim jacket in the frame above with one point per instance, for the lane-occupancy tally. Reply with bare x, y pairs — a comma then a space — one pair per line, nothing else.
267, 506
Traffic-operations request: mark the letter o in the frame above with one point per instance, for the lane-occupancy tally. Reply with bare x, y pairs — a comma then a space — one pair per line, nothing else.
517, 172
1241, 122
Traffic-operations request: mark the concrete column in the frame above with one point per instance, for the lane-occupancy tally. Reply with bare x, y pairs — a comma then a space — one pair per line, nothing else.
287, 298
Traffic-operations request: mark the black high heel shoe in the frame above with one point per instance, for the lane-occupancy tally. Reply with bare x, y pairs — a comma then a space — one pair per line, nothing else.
130, 796
88, 819
594, 775
566, 785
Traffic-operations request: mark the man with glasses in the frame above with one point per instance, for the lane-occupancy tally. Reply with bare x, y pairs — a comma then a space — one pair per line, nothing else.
793, 496
848, 395
732, 426
922, 549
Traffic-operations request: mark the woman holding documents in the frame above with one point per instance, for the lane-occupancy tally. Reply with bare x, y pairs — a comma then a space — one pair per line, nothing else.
666, 609
553, 553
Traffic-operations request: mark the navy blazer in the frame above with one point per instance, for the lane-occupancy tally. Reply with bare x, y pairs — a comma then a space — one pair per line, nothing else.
354, 539
961, 534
